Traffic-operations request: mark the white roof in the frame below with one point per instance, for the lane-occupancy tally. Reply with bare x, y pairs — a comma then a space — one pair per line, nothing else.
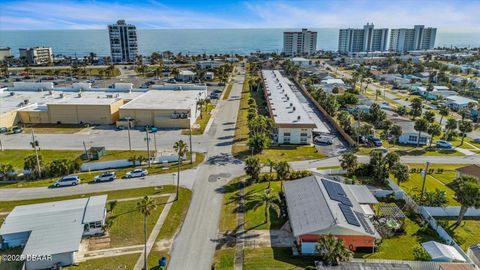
333, 81
442, 252
55, 227
459, 100
166, 99
300, 59
284, 105
186, 73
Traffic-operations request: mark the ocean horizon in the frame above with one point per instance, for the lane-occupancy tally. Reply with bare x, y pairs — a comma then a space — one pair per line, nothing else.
191, 41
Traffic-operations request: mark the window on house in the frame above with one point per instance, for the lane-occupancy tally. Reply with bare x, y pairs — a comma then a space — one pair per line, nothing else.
304, 134
412, 138
286, 134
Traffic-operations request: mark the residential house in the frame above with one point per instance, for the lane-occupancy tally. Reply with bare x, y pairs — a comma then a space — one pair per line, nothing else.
471, 170
458, 102
438, 92
208, 64
409, 134
53, 228
318, 207
300, 61
209, 76
474, 253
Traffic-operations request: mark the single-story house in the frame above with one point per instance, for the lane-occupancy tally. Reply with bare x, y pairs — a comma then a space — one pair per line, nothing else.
470, 170
300, 61
53, 229
409, 134
185, 76
393, 78
318, 207
208, 64
438, 92
364, 266
458, 102
442, 253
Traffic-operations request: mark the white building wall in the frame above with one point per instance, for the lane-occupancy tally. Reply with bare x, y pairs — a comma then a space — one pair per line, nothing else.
63, 258
294, 136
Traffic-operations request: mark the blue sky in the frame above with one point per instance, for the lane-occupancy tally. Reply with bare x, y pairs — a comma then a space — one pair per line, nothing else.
454, 15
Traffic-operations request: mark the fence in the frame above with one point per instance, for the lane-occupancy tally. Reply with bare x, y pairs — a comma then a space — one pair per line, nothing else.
400, 194
415, 265
451, 211
329, 118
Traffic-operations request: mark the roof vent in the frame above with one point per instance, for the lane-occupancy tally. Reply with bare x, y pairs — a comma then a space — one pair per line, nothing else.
291, 104
298, 117
294, 109
61, 95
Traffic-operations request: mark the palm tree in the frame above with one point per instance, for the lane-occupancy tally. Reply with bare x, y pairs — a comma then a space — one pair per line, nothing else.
5, 169
332, 250
269, 201
421, 125
444, 111
449, 127
434, 130
146, 207
270, 163
349, 162
181, 148
467, 193
400, 171
253, 167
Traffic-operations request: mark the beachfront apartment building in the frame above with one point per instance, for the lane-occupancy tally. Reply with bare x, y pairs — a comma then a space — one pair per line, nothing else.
416, 38
36, 55
299, 43
123, 42
366, 39
292, 121
5, 53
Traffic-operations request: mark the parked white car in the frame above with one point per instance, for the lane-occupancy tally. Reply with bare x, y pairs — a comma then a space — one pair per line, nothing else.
136, 173
69, 180
324, 139
106, 176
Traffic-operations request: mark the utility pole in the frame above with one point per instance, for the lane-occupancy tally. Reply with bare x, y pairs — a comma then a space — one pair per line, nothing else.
424, 178
190, 138
35, 144
148, 146
1, 145
128, 118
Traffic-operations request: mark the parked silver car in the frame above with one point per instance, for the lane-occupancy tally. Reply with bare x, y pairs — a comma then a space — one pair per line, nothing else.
106, 176
136, 173
69, 180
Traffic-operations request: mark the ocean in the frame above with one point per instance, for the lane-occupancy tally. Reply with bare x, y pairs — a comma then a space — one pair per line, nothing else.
189, 41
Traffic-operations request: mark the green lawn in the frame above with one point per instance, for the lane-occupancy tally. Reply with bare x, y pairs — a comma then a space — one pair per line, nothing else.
228, 90
414, 185
123, 262
16, 157
224, 259
112, 195
154, 257
53, 128
86, 177
274, 259
202, 121
400, 247
240, 148
330, 167
410, 151
177, 214
228, 216
291, 153
127, 228
255, 219
467, 234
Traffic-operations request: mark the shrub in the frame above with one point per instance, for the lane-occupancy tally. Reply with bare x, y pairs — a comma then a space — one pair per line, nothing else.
421, 254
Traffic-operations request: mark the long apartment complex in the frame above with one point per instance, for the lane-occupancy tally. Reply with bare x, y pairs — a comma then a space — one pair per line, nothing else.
123, 42
416, 38
299, 43
36, 55
369, 39
293, 124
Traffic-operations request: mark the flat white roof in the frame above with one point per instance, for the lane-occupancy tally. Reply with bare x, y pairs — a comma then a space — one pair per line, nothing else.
166, 99
460, 100
54, 227
284, 105
439, 251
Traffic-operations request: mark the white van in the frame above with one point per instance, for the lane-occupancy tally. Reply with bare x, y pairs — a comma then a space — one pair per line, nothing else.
323, 139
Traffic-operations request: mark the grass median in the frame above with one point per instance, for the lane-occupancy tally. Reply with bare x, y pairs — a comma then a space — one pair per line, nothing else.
201, 121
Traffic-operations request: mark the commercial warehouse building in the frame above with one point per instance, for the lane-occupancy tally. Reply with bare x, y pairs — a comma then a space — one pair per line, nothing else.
163, 106
53, 230
293, 123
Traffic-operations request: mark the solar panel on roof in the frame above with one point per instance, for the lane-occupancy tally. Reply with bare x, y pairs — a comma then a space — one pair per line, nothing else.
363, 221
336, 192
349, 215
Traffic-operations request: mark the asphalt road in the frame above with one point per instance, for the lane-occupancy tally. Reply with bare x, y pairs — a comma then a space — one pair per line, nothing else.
194, 246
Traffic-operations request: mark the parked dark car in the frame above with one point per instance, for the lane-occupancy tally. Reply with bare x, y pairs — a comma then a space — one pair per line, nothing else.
375, 140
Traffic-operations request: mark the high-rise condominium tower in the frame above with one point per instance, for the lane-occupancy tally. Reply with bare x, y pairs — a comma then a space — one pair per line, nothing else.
368, 39
299, 43
418, 38
123, 42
